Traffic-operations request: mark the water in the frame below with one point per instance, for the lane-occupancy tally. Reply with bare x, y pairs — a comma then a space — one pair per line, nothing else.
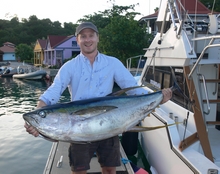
20, 152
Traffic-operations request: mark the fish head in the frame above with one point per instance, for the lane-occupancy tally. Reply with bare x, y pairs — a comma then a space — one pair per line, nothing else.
44, 120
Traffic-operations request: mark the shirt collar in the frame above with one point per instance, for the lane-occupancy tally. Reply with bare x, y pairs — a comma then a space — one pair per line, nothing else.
97, 58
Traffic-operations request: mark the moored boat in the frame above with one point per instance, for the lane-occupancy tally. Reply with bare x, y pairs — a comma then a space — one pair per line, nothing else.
35, 75
193, 145
8, 72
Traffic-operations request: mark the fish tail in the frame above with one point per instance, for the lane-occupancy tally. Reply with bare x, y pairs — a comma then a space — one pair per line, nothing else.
177, 87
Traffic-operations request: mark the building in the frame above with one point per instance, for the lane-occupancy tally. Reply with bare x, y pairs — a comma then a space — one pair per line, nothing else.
7, 52
39, 48
55, 50
199, 17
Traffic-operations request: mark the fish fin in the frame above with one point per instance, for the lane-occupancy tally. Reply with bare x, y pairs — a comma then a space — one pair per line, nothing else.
93, 111
142, 129
122, 91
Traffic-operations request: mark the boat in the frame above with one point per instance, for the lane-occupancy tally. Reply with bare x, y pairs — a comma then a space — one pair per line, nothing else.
29, 74
190, 53
8, 72
175, 54
138, 60
58, 162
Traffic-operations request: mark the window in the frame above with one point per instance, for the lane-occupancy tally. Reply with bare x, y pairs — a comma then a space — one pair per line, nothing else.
74, 44
59, 53
161, 77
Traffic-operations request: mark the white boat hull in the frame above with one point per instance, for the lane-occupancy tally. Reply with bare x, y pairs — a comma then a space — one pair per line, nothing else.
164, 147
161, 146
36, 75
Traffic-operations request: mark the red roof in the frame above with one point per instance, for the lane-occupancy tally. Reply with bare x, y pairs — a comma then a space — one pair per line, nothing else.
189, 6
42, 43
54, 40
8, 47
154, 15
9, 44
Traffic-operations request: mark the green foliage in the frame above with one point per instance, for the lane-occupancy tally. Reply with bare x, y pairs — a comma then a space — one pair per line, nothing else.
123, 38
212, 5
120, 34
24, 52
29, 30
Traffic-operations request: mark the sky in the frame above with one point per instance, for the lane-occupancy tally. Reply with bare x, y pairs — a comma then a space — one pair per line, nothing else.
68, 10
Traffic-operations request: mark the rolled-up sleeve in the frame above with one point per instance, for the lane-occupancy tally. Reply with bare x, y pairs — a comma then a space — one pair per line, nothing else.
61, 81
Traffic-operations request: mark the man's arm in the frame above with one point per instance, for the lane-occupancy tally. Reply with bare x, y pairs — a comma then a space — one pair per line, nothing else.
40, 104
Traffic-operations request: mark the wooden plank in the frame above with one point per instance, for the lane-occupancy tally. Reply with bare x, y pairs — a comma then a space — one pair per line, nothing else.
199, 121
213, 122
211, 80
212, 101
188, 141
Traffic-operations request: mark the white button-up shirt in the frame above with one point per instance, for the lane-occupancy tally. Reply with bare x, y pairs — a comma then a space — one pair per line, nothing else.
87, 81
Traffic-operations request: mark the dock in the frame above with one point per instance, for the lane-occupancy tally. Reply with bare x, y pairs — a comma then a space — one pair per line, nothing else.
58, 161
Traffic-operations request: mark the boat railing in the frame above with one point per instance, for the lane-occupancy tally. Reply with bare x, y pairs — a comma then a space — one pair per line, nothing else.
210, 45
206, 95
130, 63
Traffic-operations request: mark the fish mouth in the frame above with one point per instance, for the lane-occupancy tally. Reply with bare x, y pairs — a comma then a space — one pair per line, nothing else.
28, 119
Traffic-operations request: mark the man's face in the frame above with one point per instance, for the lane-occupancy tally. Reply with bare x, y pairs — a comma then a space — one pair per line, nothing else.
87, 40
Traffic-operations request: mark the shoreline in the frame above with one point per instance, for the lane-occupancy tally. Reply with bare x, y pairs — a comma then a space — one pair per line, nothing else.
51, 72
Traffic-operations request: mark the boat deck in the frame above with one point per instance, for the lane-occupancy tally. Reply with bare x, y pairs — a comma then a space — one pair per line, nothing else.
58, 162
215, 142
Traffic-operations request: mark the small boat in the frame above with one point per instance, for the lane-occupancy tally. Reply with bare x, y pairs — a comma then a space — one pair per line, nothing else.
35, 75
8, 72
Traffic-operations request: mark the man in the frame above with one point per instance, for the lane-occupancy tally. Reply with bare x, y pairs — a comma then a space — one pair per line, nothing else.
91, 74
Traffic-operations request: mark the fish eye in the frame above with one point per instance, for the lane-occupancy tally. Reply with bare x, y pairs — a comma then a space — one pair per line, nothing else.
42, 114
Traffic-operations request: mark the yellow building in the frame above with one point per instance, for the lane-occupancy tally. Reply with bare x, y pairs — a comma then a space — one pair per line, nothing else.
39, 48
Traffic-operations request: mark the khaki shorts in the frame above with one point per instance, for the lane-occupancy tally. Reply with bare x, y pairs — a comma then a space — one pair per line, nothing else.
107, 151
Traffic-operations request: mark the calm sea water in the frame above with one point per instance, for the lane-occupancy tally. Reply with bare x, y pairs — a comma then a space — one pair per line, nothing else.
20, 152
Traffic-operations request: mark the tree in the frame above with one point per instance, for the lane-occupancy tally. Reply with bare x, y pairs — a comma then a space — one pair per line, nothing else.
24, 52
123, 38
69, 28
120, 35
212, 4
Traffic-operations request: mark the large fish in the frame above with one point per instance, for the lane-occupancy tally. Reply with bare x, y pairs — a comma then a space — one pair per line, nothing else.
92, 119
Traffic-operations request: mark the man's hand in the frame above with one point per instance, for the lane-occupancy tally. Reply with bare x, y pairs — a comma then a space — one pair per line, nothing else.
30, 129
167, 95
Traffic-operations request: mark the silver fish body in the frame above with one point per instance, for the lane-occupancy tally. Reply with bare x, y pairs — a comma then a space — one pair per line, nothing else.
93, 119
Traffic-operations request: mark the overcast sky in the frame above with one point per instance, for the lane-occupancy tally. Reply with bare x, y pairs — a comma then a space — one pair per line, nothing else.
68, 10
